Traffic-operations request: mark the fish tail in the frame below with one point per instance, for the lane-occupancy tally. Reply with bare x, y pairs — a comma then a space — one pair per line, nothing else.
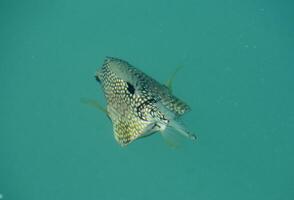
181, 129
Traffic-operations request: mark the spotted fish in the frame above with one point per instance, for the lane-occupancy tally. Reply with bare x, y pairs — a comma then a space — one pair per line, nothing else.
138, 105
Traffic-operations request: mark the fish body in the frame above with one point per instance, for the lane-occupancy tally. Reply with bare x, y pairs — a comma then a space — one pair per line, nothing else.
137, 104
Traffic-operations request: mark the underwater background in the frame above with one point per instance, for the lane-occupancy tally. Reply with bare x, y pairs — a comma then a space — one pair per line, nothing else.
237, 75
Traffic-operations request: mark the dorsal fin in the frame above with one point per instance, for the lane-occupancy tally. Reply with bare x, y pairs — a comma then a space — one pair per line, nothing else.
170, 81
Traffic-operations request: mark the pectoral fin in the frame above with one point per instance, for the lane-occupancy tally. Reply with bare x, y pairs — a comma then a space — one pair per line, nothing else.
93, 103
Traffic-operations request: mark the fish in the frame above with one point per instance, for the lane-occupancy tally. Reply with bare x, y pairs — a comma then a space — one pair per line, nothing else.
137, 104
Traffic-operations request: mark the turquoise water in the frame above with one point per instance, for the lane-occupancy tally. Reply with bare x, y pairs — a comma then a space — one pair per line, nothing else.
237, 76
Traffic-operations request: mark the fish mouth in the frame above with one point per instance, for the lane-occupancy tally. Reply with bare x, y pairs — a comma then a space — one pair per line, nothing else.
97, 78
107, 60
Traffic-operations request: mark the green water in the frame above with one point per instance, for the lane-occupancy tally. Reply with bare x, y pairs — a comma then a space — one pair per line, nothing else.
237, 76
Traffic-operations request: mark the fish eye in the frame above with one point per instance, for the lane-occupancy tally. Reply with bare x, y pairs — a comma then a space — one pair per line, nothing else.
131, 88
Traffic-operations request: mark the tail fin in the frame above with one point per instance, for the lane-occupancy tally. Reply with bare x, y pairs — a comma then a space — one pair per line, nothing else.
175, 133
181, 129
